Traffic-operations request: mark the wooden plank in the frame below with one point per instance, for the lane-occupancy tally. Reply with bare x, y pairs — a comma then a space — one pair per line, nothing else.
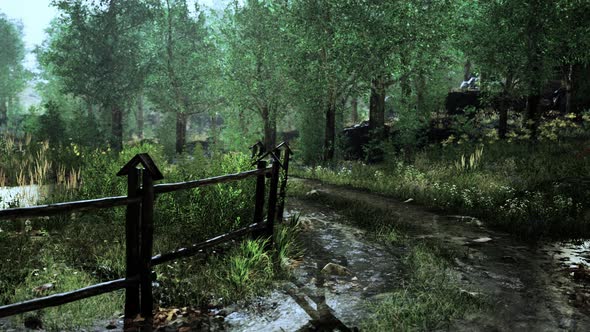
286, 145
146, 247
283, 189
132, 222
196, 248
169, 187
272, 195
260, 193
57, 208
63, 298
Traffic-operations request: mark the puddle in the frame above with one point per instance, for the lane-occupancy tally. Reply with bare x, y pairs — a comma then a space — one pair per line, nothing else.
275, 312
570, 253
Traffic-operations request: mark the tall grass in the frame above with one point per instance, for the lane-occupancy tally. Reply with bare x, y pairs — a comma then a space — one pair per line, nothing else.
534, 190
86, 248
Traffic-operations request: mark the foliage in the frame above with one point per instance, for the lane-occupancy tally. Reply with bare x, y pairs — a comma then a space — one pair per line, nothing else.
58, 277
472, 162
95, 49
13, 76
529, 191
51, 125
253, 62
181, 219
183, 63
430, 300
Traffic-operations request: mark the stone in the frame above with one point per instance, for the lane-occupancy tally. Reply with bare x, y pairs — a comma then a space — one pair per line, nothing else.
335, 269
312, 193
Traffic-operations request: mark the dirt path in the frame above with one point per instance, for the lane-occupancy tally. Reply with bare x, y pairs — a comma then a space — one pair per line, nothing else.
358, 271
527, 286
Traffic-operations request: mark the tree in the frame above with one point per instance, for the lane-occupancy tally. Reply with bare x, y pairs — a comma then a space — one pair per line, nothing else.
570, 42
402, 42
183, 66
12, 72
323, 64
253, 65
511, 42
96, 51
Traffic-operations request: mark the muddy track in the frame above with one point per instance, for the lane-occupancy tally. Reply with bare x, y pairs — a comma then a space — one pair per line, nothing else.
316, 300
526, 286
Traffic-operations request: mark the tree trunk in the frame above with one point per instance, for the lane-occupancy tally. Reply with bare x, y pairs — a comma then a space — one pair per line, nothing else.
420, 93
503, 122
405, 82
330, 131
3, 112
504, 105
406, 91
117, 128
377, 105
270, 128
355, 110
467, 70
532, 114
214, 128
139, 116
569, 86
180, 132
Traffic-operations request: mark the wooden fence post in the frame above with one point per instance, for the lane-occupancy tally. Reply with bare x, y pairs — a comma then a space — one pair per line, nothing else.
260, 194
147, 244
272, 195
145, 213
132, 221
283, 191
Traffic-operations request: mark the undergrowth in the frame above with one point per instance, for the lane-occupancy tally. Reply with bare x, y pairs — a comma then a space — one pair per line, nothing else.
533, 190
76, 250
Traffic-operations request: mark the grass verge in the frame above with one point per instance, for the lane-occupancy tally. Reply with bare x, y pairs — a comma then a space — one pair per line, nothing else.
532, 190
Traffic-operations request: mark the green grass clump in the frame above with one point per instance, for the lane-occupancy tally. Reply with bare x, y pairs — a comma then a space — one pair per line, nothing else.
244, 271
429, 299
533, 190
62, 278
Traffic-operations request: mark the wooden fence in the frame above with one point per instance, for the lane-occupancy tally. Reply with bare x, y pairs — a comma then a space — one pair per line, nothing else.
139, 228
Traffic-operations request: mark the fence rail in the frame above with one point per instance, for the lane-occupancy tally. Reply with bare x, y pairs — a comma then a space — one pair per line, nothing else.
139, 229
169, 187
63, 298
58, 208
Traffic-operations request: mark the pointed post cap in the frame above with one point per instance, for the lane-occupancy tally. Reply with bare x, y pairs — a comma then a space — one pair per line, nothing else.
147, 162
287, 147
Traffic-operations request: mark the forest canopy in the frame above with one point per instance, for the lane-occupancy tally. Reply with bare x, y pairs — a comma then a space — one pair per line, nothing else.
182, 74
